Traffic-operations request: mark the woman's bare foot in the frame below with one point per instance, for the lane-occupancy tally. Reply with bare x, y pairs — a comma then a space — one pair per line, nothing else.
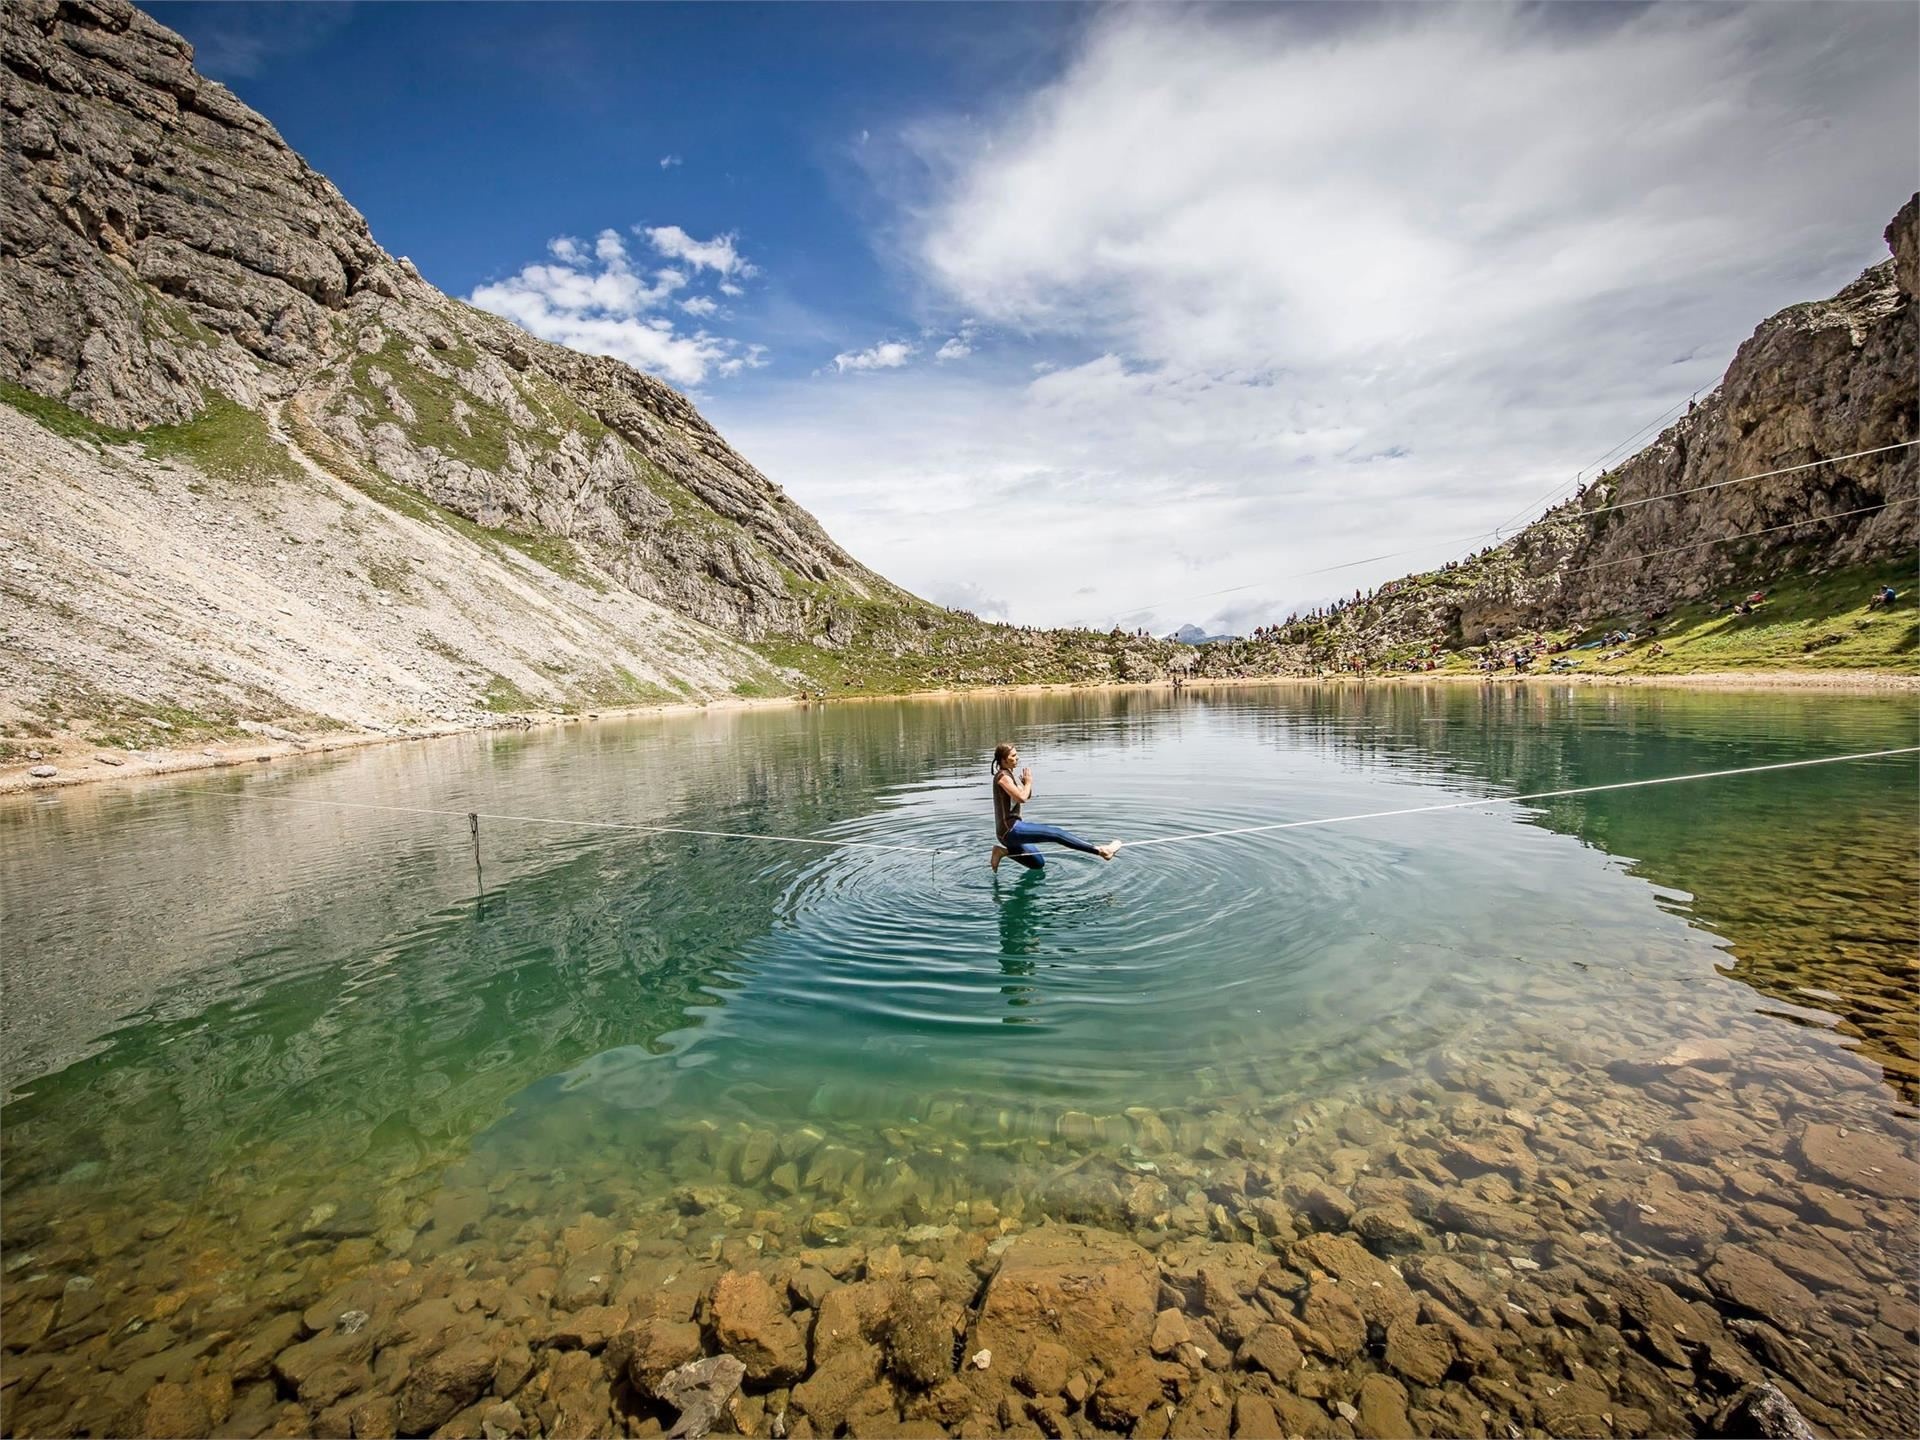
1108, 850
999, 854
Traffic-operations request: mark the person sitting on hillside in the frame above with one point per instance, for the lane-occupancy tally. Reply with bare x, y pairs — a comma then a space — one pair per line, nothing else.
1756, 597
1886, 597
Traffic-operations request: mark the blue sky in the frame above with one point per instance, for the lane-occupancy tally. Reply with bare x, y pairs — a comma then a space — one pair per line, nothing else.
1056, 312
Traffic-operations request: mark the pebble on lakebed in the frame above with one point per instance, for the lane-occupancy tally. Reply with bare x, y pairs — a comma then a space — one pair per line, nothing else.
1528, 1247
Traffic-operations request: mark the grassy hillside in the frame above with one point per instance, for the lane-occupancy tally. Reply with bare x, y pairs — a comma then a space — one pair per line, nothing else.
1807, 622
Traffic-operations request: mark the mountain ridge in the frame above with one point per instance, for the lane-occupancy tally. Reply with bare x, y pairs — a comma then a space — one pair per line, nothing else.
456, 520
257, 471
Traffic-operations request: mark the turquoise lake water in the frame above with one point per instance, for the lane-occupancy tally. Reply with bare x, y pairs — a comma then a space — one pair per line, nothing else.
270, 1038
199, 984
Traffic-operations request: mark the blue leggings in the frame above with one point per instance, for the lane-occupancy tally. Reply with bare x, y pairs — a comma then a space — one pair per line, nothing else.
1023, 833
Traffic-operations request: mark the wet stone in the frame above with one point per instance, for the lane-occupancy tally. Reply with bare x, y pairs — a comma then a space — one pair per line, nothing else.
827, 1395
1858, 1160
1660, 1212
1573, 1410
1389, 1228
445, 1384
851, 1315
648, 1352
1319, 1201
1420, 1352
1170, 1332
750, 1323
920, 1337
1271, 1349
1488, 1219
700, 1391
175, 1411
1091, 1291
1747, 1280
1761, 1410
257, 1351
1046, 1369
1125, 1397
1331, 1323
1382, 1409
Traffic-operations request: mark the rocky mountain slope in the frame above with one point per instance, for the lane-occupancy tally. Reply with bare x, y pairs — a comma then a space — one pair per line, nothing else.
1821, 379
255, 470
284, 478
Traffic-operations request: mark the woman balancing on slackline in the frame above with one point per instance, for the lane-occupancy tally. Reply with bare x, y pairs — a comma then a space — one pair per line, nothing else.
1015, 835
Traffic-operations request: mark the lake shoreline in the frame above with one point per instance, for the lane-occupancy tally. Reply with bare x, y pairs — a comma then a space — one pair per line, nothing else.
266, 749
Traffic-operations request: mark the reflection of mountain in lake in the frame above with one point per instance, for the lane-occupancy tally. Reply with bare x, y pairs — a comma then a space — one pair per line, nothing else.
285, 1002
1808, 874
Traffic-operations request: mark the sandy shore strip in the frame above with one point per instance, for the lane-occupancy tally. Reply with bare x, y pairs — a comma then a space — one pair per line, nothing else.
77, 762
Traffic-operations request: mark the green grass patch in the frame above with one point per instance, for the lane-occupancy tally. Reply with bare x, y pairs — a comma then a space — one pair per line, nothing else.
441, 648
503, 697
160, 316
391, 576
620, 686
66, 423
226, 440
554, 552
1808, 622
117, 722
479, 437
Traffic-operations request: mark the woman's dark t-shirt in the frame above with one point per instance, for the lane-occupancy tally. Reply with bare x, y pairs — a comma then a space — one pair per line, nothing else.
1006, 810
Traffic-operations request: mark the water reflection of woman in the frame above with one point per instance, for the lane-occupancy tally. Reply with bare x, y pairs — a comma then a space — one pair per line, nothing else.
1019, 940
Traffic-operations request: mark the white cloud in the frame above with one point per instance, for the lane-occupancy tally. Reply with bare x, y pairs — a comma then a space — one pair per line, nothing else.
750, 357
727, 287
1227, 192
1331, 285
717, 254
959, 345
667, 162
699, 305
887, 355
596, 302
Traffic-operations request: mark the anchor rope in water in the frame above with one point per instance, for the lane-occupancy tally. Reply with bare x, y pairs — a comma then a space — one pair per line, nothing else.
473, 816
1521, 799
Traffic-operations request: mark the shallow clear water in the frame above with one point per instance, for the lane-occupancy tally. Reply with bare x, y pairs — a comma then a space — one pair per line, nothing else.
253, 1011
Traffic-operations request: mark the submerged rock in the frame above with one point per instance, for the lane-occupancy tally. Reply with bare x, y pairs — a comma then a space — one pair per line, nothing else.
750, 1322
1090, 1291
1761, 1410
700, 1391
1859, 1160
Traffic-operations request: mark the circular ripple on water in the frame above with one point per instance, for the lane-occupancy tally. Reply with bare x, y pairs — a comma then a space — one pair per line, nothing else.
1231, 965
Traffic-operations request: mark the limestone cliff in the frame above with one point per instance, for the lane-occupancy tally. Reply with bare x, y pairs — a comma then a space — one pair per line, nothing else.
1821, 379
285, 476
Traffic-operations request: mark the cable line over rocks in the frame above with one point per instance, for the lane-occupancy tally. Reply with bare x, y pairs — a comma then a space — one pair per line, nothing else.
1584, 514
473, 817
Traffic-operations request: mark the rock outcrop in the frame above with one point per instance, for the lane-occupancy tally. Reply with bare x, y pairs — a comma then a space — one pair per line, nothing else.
1826, 378
163, 243
258, 414
254, 467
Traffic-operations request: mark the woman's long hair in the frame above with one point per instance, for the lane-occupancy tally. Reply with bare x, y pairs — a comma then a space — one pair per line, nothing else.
1000, 754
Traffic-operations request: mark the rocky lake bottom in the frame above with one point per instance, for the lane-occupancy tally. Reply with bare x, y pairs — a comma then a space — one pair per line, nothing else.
1600, 1123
